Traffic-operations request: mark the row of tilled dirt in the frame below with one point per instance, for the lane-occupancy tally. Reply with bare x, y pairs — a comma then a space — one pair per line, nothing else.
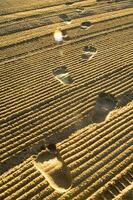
99, 157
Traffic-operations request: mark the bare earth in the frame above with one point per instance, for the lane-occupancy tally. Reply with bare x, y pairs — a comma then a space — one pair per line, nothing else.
35, 107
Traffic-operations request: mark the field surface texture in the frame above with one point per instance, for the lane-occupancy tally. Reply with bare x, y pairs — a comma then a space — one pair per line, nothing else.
37, 107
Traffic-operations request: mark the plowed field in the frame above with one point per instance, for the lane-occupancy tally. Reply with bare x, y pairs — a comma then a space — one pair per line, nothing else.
34, 106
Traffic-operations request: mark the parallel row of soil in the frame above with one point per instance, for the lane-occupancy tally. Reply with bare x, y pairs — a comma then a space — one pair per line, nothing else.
35, 106
99, 157
31, 5
16, 23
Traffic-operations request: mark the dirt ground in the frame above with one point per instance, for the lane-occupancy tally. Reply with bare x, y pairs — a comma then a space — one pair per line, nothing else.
66, 100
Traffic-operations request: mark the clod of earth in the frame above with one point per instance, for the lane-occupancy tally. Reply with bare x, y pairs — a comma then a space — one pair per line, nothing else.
62, 74
79, 10
65, 35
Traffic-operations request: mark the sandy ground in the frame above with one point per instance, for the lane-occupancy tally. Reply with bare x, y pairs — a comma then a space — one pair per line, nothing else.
49, 94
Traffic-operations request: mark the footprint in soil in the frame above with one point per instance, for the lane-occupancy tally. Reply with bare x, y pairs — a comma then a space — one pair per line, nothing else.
50, 164
65, 18
86, 25
105, 103
88, 52
125, 98
62, 74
